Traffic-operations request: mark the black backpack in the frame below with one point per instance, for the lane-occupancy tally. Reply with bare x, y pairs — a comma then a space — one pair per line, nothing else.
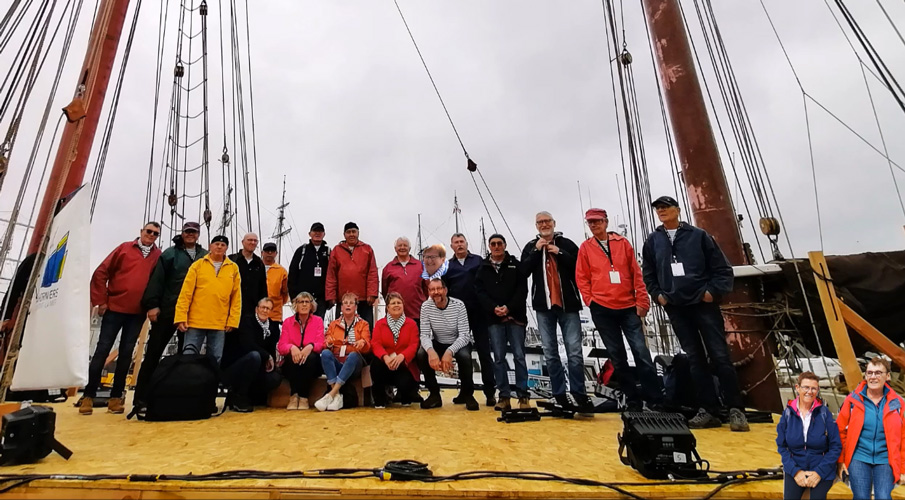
183, 387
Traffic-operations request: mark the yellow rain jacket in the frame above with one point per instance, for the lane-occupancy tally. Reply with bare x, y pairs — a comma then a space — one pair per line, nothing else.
210, 300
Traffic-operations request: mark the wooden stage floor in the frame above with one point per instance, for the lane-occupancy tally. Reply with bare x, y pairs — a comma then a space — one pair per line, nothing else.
449, 439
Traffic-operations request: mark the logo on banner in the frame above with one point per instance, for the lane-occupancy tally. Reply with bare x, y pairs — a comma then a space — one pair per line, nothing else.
53, 270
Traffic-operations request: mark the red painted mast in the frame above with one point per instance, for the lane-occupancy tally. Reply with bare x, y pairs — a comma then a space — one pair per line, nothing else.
708, 193
83, 113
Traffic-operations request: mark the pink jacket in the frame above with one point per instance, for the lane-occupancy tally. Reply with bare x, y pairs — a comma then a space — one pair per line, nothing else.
292, 334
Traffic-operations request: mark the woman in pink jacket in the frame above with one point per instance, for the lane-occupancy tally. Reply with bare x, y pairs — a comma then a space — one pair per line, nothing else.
301, 342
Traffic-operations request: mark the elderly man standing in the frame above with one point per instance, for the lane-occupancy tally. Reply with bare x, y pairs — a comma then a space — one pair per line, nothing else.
308, 268
160, 298
688, 274
503, 292
353, 268
460, 276
277, 282
403, 275
116, 289
210, 303
610, 281
444, 336
254, 276
550, 260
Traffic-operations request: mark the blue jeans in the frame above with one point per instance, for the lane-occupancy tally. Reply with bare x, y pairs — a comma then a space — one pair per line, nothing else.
570, 323
345, 370
111, 324
699, 328
514, 335
194, 337
863, 476
611, 325
791, 489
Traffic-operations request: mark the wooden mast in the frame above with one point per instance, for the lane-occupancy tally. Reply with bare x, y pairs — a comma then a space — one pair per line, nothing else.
708, 193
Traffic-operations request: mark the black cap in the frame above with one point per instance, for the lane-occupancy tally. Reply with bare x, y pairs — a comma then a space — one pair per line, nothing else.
350, 225
220, 239
317, 227
270, 247
669, 201
495, 237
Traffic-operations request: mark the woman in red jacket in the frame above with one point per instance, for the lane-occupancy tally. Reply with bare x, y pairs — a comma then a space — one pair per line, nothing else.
394, 343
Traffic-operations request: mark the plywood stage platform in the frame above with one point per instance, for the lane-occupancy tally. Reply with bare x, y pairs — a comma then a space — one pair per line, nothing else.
449, 439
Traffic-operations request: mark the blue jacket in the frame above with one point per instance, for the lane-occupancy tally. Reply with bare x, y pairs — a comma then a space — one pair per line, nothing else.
820, 452
706, 267
460, 280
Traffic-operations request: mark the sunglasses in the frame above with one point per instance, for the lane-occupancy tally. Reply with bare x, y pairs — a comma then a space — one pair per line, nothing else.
497, 244
152, 232
190, 231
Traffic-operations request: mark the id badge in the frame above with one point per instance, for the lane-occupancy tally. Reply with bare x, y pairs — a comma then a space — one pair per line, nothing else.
678, 269
342, 351
317, 272
614, 277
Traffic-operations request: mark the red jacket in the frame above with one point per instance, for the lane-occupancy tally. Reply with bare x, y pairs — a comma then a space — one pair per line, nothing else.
122, 277
382, 343
851, 420
291, 335
592, 275
407, 281
351, 269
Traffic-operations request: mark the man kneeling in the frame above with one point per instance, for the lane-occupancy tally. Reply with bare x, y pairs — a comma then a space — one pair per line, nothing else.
445, 335
248, 359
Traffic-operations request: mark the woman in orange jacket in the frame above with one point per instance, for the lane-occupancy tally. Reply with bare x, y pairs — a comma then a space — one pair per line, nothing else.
347, 340
870, 425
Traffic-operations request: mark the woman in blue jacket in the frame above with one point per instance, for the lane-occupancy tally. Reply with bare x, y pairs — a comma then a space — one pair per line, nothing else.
808, 441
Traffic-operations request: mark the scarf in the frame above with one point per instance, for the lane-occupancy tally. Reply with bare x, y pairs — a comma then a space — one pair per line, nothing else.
145, 250
350, 329
439, 273
396, 326
265, 325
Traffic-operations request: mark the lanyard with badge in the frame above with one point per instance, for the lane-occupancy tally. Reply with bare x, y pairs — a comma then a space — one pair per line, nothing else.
349, 328
318, 271
614, 274
678, 269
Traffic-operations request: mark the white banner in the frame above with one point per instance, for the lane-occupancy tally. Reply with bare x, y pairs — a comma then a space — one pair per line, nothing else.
55, 343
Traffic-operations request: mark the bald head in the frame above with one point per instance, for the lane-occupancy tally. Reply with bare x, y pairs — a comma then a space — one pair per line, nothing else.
249, 244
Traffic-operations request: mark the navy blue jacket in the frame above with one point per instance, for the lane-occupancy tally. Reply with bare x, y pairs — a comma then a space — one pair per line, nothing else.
706, 267
508, 287
820, 452
460, 280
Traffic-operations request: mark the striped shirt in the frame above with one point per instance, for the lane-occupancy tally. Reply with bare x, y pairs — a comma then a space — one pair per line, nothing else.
447, 326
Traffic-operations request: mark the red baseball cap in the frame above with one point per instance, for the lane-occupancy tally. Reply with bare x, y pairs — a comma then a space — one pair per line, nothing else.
595, 214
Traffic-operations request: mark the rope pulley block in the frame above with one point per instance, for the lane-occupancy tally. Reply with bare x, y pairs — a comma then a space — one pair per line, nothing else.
472, 166
203, 8
207, 217
75, 110
225, 157
179, 72
769, 226
172, 198
626, 58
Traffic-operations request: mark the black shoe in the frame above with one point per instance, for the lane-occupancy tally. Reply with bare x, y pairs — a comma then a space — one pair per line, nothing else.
583, 403
704, 420
380, 402
432, 401
634, 406
459, 400
737, 421
563, 401
491, 401
471, 404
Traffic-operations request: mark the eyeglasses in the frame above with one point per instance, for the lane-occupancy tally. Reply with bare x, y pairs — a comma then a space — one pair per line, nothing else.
871, 373
593, 222
431, 257
809, 389
544, 221
302, 301
497, 244
152, 232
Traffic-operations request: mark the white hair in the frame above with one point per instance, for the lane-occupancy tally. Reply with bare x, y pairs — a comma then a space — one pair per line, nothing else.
406, 240
548, 214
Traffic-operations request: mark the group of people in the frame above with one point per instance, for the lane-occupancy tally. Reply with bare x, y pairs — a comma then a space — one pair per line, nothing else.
438, 310
863, 447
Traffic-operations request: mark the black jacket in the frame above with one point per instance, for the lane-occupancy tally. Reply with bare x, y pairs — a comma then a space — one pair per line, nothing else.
167, 277
254, 281
301, 270
533, 265
460, 280
706, 267
247, 338
508, 287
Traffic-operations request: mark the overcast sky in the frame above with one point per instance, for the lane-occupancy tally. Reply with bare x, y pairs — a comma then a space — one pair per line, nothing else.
344, 109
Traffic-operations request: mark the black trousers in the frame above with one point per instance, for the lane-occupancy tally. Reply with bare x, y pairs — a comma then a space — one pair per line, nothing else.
248, 381
159, 336
302, 376
482, 344
463, 363
401, 378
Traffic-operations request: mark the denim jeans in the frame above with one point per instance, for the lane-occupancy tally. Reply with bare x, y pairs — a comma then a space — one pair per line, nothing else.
570, 323
699, 328
111, 324
194, 337
514, 335
340, 372
791, 489
863, 476
612, 324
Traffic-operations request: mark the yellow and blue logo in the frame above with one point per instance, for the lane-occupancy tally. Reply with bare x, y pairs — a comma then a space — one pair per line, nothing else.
53, 269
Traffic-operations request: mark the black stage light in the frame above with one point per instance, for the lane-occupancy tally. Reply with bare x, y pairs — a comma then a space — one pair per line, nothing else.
660, 446
27, 436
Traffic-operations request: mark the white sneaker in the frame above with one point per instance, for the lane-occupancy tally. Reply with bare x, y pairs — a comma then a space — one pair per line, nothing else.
323, 402
293, 402
336, 403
